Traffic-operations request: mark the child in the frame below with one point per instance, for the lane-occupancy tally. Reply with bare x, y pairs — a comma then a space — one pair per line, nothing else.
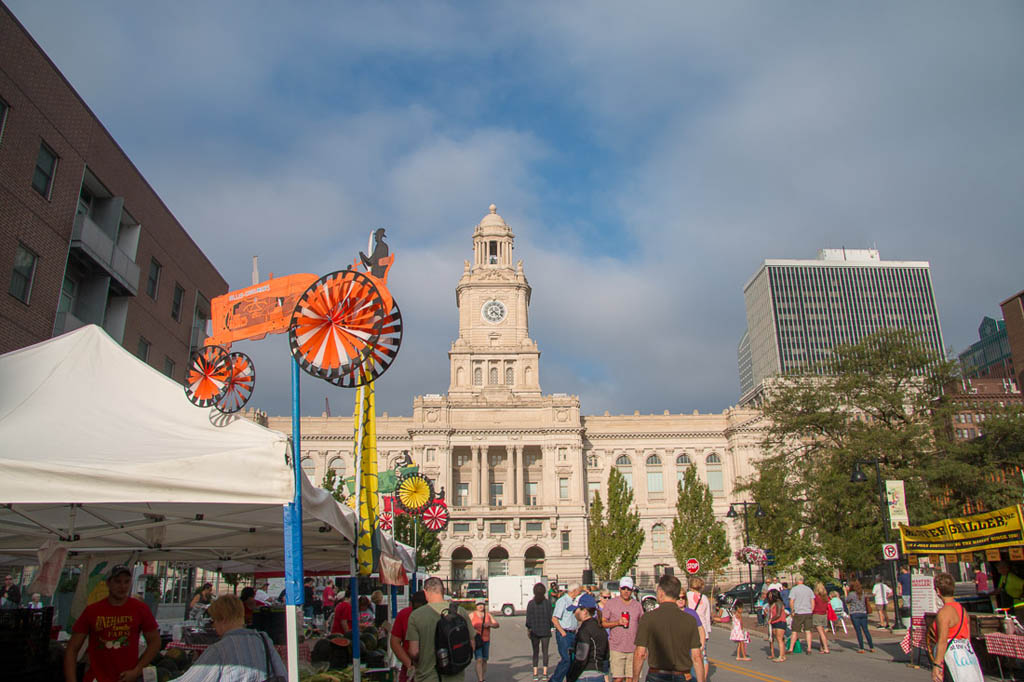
739, 635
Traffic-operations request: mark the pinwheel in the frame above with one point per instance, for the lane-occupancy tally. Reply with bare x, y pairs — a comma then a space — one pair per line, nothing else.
414, 492
385, 520
241, 381
435, 516
206, 379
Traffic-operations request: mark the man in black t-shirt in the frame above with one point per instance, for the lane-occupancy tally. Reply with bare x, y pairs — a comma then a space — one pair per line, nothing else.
10, 595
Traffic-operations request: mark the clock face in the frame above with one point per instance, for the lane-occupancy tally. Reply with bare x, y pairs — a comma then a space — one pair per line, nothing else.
493, 311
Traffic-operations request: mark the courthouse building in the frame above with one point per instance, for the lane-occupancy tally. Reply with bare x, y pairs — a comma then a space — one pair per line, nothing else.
518, 466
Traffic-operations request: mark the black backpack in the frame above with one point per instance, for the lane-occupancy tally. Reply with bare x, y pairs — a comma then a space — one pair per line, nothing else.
452, 649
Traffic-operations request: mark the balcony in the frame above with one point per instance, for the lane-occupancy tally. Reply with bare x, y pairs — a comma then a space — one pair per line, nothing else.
89, 238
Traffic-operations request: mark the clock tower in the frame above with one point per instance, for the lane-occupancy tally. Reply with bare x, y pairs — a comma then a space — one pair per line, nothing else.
494, 356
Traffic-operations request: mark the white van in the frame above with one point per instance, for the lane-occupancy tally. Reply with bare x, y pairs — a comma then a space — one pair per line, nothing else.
510, 593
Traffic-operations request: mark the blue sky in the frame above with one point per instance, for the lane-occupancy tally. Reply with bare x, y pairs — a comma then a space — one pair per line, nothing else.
647, 155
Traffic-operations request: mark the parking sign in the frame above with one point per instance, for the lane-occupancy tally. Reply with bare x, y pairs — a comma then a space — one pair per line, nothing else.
890, 552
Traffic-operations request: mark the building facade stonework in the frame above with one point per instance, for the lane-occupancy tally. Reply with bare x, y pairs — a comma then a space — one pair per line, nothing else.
519, 468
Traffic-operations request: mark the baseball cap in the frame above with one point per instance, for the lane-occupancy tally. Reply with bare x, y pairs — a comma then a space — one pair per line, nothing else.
586, 601
117, 570
626, 581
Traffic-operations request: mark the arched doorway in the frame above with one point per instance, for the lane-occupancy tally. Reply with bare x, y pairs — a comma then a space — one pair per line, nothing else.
497, 562
462, 568
534, 561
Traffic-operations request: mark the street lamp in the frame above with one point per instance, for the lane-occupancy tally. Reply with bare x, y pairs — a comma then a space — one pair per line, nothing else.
759, 514
858, 476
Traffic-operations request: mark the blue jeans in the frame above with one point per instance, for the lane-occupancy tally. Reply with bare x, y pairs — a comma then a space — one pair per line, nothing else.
565, 645
860, 624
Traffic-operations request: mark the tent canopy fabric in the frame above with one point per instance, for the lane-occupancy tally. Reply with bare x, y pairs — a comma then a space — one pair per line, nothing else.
103, 452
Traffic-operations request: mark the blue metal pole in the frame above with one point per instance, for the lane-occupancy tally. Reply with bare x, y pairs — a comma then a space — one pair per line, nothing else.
394, 601
293, 538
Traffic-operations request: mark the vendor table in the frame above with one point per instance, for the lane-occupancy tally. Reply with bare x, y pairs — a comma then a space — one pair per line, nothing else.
304, 649
999, 644
915, 637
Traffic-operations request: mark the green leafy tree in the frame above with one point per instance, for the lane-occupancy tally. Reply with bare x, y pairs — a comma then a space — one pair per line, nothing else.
617, 531
601, 558
985, 474
408, 530
874, 399
335, 485
233, 579
696, 533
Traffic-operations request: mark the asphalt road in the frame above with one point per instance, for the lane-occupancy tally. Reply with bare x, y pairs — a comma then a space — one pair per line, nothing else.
511, 661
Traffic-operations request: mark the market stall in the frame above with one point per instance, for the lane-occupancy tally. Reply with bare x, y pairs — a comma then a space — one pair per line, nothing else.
101, 454
992, 542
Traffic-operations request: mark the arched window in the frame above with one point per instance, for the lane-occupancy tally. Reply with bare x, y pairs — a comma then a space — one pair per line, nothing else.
682, 462
509, 376
478, 377
494, 375
715, 481
625, 468
659, 538
655, 485
337, 465
460, 376
309, 466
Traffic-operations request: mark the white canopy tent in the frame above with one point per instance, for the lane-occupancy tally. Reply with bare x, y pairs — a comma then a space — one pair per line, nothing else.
106, 454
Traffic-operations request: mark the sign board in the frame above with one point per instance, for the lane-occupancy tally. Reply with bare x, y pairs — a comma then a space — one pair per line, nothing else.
897, 499
923, 598
912, 559
890, 552
1017, 554
992, 555
990, 530
692, 566
769, 556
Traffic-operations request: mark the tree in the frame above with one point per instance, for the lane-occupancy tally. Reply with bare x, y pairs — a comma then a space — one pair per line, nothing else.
696, 533
410, 531
874, 399
335, 485
985, 474
233, 579
618, 534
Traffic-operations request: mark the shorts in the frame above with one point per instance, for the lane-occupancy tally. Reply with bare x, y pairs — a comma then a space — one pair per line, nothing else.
781, 625
819, 620
482, 651
620, 663
802, 622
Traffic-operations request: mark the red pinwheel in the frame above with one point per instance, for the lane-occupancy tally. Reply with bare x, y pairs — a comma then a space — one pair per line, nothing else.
435, 516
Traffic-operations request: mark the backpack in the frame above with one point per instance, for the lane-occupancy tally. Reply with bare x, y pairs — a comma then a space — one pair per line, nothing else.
452, 649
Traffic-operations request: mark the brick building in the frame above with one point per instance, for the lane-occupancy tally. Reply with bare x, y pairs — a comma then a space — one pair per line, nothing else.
1013, 315
83, 237
975, 399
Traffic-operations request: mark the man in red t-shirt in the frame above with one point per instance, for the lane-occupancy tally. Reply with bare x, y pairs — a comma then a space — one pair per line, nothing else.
398, 632
112, 626
342, 616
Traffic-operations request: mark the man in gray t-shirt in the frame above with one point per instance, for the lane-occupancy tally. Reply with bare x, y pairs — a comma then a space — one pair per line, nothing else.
801, 604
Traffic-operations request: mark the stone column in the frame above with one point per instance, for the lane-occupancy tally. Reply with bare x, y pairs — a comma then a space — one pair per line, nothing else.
481, 484
518, 475
474, 475
510, 475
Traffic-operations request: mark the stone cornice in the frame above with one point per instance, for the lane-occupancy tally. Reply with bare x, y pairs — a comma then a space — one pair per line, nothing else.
591, 435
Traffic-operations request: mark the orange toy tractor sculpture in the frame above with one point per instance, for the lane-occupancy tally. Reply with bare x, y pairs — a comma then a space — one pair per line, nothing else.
343, 327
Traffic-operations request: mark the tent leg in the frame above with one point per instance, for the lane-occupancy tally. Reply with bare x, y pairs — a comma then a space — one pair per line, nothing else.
353, 583
292, 615
293, 540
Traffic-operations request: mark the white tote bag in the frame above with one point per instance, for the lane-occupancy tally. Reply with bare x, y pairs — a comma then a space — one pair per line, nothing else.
962, 662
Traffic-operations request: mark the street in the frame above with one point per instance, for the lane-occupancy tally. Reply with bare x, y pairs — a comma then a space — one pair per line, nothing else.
510, 660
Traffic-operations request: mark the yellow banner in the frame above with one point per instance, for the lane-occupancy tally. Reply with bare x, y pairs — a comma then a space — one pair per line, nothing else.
368, 505
990, 530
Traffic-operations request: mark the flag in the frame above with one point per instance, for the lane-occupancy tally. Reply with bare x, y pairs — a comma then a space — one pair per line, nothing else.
368, 505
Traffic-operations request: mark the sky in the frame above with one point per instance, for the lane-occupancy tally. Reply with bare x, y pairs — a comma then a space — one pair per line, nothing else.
647, 155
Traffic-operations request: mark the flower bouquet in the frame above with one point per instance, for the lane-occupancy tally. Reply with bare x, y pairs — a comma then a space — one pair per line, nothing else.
752, 555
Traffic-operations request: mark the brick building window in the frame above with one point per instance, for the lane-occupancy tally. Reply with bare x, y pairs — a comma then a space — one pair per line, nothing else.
46, 168
176, 301
153, 280
23, 273
3, 118
143, 349
169, 367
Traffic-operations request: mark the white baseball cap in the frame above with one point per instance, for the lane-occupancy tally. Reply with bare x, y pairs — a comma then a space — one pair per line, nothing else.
626, 581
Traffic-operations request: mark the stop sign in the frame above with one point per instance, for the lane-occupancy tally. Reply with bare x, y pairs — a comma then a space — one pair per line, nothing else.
692, 566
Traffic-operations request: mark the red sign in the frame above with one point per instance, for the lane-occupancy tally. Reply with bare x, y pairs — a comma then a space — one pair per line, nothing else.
692, 566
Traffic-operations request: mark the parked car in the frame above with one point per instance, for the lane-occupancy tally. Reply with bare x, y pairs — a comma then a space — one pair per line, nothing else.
475, 589
744, 593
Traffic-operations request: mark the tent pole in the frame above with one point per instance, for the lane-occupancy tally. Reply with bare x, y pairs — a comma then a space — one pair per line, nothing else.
293, 541
354, 580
